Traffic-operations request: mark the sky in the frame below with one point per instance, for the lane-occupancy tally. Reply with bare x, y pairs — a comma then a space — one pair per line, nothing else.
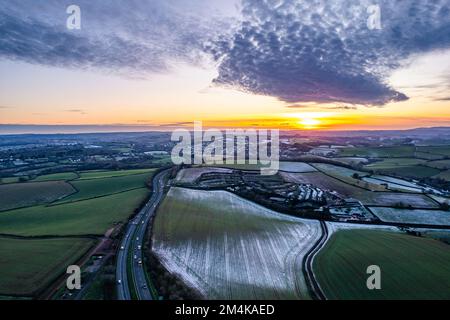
288, 64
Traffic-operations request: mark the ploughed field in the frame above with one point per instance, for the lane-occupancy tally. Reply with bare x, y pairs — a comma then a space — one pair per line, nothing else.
230, 248
411, 267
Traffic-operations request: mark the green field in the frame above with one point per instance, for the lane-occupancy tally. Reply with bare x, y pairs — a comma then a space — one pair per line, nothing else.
428, 156
346, 175
394, 162
103, 201
17, 195
57, 176
9, 180
93, 216
444, 175
162, 160
98, 187
440, 164
416, 172
113, 173
411, 267
27, 266
438, 150
380, 152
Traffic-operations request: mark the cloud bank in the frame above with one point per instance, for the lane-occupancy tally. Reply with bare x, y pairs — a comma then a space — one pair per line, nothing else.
322, 51
134, 37
298, 51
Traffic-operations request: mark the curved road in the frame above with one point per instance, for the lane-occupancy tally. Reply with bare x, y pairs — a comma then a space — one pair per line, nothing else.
131, 247
311, 281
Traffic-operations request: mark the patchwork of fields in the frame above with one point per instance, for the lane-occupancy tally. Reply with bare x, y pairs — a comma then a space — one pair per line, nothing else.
230, 248
378, 152
411, 267
98, 187
91, 204
93, 217
404, 161
366, 197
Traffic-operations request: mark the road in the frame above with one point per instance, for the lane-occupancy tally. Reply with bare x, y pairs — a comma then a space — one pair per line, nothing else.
132, 244
311, 281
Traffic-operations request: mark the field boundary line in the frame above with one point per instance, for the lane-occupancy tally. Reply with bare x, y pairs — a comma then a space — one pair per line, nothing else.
122, 176
97, 197
49, 237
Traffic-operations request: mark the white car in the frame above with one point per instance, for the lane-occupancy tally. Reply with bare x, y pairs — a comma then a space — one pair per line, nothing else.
139, 247
122, 248
119, 281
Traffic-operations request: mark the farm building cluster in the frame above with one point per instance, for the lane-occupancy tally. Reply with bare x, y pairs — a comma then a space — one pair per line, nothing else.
293, 198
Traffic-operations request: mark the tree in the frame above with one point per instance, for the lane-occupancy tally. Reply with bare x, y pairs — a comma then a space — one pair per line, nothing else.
445, 206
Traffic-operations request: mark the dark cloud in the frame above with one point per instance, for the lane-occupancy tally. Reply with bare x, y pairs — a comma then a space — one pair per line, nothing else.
133, 38
35, 42
323, 51
342, 108
298, 51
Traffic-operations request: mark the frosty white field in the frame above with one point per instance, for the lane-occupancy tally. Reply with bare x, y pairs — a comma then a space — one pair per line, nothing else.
230, 248
428, 217
192, 174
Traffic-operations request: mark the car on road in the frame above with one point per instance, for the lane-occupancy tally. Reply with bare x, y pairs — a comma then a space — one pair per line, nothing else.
140, 262
139, 247
122, 248
119, 281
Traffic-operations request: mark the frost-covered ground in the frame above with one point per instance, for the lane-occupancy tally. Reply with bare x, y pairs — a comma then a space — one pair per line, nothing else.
393, 186
429, 217
337, 170
296, 167
369, 198
440, 199
192, 174
337, 226
231, 248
